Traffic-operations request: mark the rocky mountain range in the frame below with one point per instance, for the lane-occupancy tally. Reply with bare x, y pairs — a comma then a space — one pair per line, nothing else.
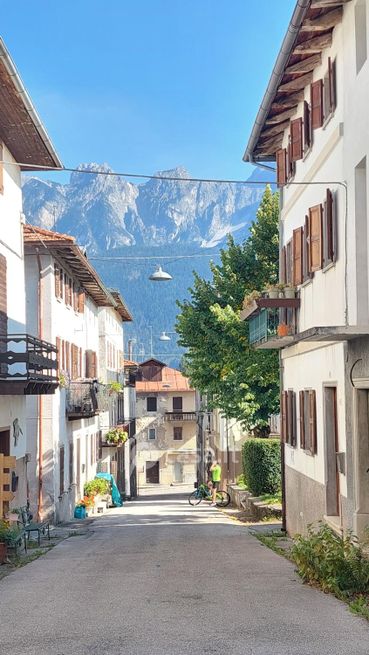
107, 212
159, 218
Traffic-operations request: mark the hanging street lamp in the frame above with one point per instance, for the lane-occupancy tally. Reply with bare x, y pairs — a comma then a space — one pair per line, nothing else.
159, 275
164, 337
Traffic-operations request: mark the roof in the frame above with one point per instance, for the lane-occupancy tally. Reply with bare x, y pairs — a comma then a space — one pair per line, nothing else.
172, 380
20, 126
128, 363
152, 360
121, 306
308, 34
65, 249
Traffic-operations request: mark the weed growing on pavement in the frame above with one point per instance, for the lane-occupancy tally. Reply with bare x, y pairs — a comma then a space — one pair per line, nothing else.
272, 540
360, 606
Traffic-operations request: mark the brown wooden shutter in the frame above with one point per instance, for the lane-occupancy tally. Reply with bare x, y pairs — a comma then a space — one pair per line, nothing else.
307, 126
332, 83
67, 357
281, 157
284, 406
283, 273
312, 422
297, 256
100, 444
291, 418
1, 168
290, 162
306, 256
81, 301
74, 361
57, 273
296, 139
315, 235
91, 364
75, 298
302, 419
70, 292
71, 463
65, 277
80, 372
58, 354
330, 232
61, 470
289, 263
317, 104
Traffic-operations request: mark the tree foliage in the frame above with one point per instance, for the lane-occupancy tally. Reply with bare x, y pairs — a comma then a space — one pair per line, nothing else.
241, 381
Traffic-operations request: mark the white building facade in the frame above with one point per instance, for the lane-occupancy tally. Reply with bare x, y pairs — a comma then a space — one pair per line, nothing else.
314, 123
27, 365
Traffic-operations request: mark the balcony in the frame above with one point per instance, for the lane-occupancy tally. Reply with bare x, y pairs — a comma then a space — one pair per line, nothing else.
180, 416
82, 400
28, 366
272, 322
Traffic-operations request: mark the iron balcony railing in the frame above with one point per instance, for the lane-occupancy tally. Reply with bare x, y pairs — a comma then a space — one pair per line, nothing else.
83, 399
180, 416
28, 364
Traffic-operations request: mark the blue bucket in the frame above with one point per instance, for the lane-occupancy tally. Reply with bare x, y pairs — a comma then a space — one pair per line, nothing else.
80, 512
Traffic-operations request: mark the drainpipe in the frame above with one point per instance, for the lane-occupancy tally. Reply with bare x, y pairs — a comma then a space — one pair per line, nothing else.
281, 380
40, 407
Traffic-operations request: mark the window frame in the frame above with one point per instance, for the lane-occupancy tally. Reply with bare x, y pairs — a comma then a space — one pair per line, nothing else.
177, 428
151, 398
148, 434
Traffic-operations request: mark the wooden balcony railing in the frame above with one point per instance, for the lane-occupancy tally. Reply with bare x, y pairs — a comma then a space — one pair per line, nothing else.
28, 365
180, 416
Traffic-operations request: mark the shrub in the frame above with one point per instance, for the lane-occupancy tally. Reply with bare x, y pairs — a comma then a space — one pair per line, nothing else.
261, 460
333, 562
116, 436
96, 486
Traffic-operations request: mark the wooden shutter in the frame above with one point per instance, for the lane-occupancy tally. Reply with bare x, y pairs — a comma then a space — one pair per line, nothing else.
61, 470
317, 104
281, 157
307, 126
71, 463
1, 168
100, 444
284, 405
57, 274
306, 255
296, 139
3, 297
65, 278
315, 236
67, 357
290, 162
58, 354
80, 372
289, 263
70, 292
302, 419
74, 361
283, 265
298, 256
330, 229
75, 298
81, 301
312, 422
332, 83
91, 364
291, 418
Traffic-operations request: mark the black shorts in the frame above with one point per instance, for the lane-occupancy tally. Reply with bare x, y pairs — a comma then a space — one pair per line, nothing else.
216, 484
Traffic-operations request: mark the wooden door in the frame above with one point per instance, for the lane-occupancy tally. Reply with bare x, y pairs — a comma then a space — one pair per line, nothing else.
152, 472
331, 452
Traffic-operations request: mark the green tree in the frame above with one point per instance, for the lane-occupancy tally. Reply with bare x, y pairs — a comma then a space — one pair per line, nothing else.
242, 382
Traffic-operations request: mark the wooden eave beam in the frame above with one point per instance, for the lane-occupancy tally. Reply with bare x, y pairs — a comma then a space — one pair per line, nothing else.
316, 44
269, 146
282, 116
306, 65
297, 84
323, 21
288, 100
323, 4
276, 129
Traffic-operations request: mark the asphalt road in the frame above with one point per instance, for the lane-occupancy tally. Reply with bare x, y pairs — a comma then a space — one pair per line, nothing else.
158, 577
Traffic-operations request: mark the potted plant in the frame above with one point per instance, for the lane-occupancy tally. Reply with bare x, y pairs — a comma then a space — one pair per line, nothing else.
281, 288
115, 387
116, 437
289, 291
283, 330
250, 298
80, 510
273, 291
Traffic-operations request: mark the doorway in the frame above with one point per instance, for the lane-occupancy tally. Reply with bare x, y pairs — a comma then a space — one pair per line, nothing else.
152, 472
177, 472
361, 460
5, 442
332, 488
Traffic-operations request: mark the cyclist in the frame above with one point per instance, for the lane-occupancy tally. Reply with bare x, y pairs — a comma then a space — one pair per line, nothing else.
216, 474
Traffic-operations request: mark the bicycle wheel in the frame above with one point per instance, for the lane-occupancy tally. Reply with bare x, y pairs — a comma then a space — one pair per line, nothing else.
195, 498
222, 499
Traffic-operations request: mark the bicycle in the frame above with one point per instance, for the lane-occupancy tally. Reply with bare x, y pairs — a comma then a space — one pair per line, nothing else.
204, 493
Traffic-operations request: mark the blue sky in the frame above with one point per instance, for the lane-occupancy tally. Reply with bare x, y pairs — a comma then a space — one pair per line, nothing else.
146, 85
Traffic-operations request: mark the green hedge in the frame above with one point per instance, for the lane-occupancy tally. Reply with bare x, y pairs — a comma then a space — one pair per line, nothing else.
261, 460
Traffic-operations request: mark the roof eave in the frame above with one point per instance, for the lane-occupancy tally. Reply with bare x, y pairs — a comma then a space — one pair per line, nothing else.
28, 105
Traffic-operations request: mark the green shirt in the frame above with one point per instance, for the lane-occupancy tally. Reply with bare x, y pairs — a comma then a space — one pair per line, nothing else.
216, 473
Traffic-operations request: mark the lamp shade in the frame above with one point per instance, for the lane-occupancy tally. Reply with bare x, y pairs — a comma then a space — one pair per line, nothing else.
159, 275
164, 337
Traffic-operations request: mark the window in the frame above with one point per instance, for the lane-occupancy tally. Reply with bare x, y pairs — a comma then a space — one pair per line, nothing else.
307, 126
329, 229
151, 404
360, 34
308, 434
288, 412
152, 434
177, 403
330, 89
177, 434
317, 104
61, 470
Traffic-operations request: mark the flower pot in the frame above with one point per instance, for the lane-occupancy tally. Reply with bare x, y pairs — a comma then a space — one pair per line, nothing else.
283, 330
80, 512
289, 292
3, 552
281, 294
273, 293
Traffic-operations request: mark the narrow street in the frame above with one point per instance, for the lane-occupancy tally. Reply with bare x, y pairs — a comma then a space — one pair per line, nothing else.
160, 577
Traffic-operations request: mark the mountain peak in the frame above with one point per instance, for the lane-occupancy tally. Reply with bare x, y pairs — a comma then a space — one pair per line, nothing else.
178, 171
